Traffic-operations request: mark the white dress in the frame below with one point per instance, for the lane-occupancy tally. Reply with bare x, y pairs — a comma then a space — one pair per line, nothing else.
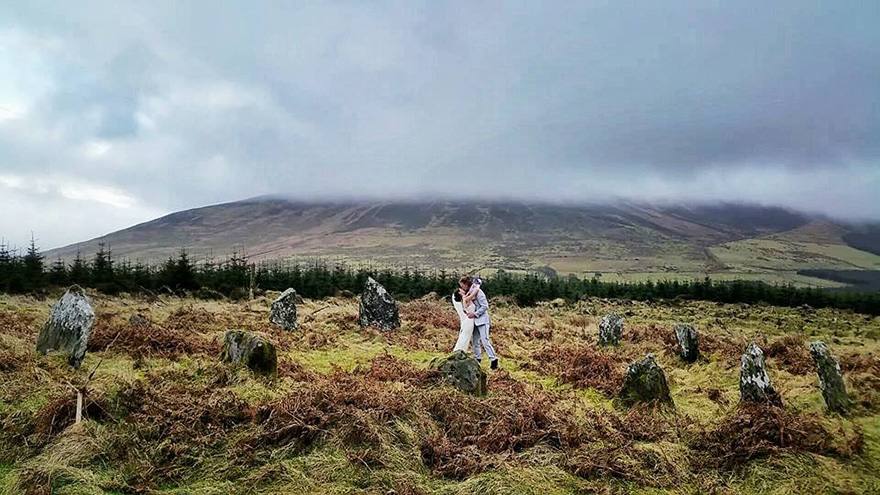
467, 326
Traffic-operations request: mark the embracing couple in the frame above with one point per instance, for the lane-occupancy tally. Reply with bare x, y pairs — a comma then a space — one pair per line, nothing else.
473, 310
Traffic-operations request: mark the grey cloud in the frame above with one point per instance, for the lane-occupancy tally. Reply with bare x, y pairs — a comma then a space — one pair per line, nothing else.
182, 104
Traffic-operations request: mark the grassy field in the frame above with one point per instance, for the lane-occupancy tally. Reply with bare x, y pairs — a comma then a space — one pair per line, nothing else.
774, 261
355, 411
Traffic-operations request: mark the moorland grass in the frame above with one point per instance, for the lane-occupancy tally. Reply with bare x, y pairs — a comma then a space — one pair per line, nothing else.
355, 411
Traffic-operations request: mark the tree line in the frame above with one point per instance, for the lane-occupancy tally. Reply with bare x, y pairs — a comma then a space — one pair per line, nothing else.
235, 277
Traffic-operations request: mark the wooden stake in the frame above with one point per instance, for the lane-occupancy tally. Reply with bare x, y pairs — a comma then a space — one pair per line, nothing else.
253, 276
79, 405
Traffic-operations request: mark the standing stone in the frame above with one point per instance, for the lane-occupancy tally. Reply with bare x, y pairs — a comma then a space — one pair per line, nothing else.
283, 311
462, 371
830, 378
645, 382
377, 307
754, 382
610, 328
69, 326
688, 342
251, 350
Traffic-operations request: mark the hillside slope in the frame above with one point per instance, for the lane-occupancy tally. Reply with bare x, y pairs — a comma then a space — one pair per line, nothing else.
622, 241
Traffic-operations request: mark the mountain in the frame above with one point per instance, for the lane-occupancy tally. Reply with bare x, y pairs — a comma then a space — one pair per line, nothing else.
619, 241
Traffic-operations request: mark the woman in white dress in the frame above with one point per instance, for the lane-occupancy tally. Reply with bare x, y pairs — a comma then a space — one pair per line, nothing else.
467, 325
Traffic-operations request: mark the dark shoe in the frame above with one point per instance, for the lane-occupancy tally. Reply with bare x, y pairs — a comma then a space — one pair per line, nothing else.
494, 364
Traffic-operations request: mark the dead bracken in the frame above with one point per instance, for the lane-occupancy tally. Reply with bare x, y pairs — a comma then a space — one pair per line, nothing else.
754, 431
142, 340
583, 366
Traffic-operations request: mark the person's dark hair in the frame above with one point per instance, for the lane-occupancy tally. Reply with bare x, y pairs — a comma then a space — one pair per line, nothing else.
456, 296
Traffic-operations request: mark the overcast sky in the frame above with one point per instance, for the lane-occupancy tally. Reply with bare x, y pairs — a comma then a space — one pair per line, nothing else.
116, 112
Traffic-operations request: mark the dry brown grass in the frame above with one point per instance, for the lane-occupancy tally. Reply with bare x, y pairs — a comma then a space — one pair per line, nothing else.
854, 362
791, 354
178, 419
755, 431
583, 366
865, 391
190, 319
142, 340
388, 368
349, 404
476, 434
722, 347
422, 314
12, 360
60, 413
18, 324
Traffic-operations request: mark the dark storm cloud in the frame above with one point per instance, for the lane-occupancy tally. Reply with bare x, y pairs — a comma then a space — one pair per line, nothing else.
146, 108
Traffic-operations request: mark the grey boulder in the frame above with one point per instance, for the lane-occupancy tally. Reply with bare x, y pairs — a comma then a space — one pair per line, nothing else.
610, 329
69, 326
283, 312
754, 382
251, 350
377, 307
644, 383
462, 371
830, 378
688, 342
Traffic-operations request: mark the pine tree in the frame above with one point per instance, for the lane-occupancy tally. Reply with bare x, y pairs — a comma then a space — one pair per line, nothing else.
80, 272
7, 267
185, 272
33, 266
142, 276
179, 274
58, 273
102, 265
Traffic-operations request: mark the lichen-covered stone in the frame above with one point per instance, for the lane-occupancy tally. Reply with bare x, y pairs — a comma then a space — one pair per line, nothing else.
688, 342
462, 371
646, 383
377, 307
754, 382
251, 350
610, 329
830, 378
283, 312
69, 326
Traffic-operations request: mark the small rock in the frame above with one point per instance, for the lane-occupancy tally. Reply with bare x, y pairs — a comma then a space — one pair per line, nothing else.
69, 326
283, 311
830, 378
462, 371
754, 382
610, 328
430, 296
251, 350
645, 382
377, 307
138, 320
688, 342
209, 294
